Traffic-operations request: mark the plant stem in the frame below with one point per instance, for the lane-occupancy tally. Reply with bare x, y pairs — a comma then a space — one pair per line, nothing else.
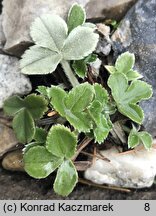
69, 73
83, 181
81, 146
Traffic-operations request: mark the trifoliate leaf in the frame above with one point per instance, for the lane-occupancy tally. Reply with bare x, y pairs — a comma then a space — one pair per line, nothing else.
76, 17
39, 163
12, 105
80, 43
66, 178
39, 60
127, 96
40, 135
49, 31
125, 62
80, 68
58, 96
36, 105
80, 120
135, 138
23, 125
61, 142
79, 97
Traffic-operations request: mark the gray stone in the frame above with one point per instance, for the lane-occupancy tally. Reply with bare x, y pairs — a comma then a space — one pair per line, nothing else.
2, 36
7, 139
11, 80
110, 9
137, 34
104, 44
19, 14
136, 169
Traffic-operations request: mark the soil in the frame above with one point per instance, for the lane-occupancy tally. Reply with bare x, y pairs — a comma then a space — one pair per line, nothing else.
19, 186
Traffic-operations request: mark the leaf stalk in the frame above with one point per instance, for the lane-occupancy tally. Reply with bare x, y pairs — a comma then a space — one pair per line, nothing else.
69, 73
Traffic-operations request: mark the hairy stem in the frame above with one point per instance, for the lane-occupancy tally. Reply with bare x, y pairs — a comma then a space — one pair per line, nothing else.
69, 73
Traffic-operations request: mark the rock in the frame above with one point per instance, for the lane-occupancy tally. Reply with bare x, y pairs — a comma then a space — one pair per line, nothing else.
96, 67
2, 36
7, 139
13, 161
5, 120
23, 13
104, 44
133, 170
137, 34
110, 9
11, 80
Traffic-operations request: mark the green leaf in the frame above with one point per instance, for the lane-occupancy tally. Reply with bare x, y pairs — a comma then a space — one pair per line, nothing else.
137, 91
102, 130
61, 142
146, 139
90, 58
80, 68
126, 96
132, 111
110, 69
71, 105
30, 145
42, 90
39, 163
95, 110
133, 75
49, 31
12, 105
40, 135
39, 60
36, 105
125, 62
135, 138
66, 178
110, 108
102, 125
79, 97
58, 96
81, 42
90, 25
101, 94
23, 125
76, 17
80, 120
